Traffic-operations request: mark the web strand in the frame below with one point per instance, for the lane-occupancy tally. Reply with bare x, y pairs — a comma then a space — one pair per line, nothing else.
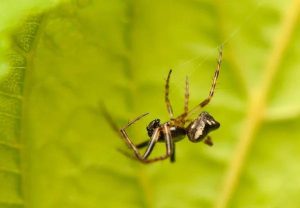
201, 60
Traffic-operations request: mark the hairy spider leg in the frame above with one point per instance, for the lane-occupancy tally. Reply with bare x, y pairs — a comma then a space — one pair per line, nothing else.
170, 145
181, 119
142, 144
151, 143
172, 156
167, 101
144, 158
213, 85
109, 119
146, 143
150, 147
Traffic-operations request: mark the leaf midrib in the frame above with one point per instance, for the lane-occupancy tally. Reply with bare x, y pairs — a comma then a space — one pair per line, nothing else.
25, 159
257, 105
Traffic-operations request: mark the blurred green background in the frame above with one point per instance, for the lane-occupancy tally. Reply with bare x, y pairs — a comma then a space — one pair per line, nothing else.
60, 59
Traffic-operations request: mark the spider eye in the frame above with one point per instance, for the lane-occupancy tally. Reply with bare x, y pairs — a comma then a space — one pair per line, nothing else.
201, 126
152, 125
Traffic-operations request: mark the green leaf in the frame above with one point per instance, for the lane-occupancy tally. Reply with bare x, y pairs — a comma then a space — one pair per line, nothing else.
60, 60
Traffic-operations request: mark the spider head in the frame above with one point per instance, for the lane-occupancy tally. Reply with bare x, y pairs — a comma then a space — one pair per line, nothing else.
152, 126
200, 127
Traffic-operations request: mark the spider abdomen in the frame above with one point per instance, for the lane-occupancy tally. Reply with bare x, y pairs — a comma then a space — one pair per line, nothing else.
198, 129
177, 133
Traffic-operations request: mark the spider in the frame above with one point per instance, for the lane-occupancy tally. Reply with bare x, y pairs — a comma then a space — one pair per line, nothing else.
175, 129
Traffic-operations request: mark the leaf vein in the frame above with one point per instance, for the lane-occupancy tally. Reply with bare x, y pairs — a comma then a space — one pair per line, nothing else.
257, 102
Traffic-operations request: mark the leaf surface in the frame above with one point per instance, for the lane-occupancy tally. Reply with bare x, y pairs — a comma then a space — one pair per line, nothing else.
60, 60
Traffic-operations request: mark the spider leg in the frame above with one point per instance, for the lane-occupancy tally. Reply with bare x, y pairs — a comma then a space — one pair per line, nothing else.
172, 157
149, 149
126, 154
181, 120
142, 144
138, 156
109, 119
125, 136
168, 103
213, 85
152, 143
169, 147
113, 125
208, 141
214, 82
135, 120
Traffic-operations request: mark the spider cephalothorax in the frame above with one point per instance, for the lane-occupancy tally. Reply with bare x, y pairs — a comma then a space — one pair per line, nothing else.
175, 129
152, 125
